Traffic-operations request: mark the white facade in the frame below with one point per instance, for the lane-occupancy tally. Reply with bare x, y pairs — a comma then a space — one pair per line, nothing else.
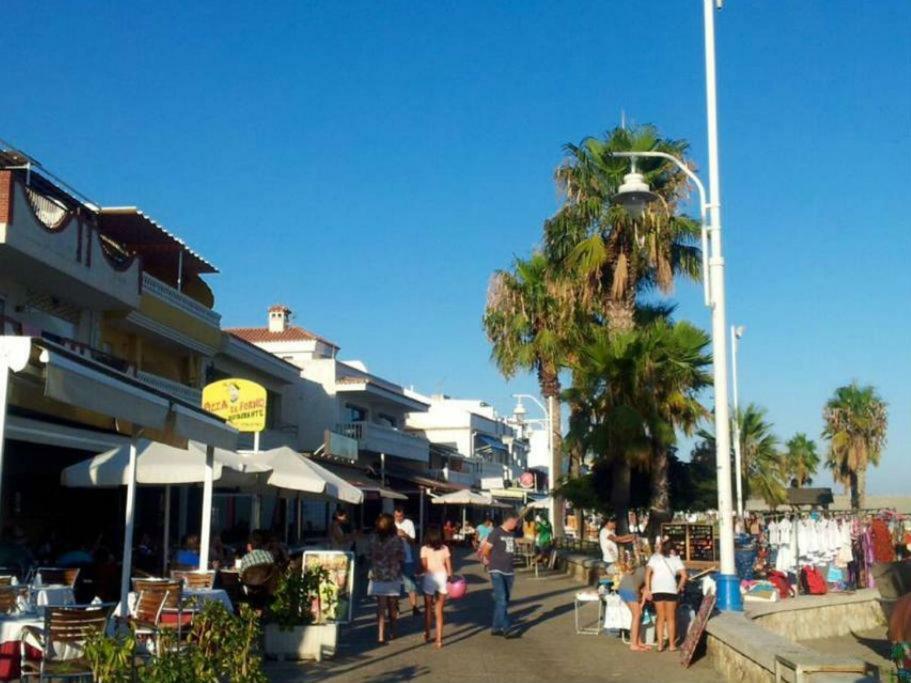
341, 397
472, 427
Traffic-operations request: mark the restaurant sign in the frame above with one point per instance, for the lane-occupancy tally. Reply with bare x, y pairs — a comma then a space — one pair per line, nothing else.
240, 402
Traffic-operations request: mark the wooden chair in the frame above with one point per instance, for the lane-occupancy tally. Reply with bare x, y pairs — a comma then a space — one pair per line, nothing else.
12, 597
48, 576
6, 579
61, 641
259, 582
194, 579
229, 582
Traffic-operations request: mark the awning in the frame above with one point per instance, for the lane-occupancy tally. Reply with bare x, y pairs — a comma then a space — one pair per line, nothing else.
469, 498
77, 383
419, 480
46, 433
357, 477
489, 444
75, 380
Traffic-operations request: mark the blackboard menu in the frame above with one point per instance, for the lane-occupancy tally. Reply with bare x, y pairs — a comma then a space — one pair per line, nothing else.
694, 542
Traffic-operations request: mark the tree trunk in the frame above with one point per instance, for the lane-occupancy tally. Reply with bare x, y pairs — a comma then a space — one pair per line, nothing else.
621, 474
660, 503
860, 483
852, 485
556, 467
577, 451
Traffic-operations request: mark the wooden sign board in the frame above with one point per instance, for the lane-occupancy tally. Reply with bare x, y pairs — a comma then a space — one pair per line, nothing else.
697, 628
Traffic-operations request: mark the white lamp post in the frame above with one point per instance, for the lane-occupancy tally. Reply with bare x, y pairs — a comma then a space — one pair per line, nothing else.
519, 412
736, 333
630, 195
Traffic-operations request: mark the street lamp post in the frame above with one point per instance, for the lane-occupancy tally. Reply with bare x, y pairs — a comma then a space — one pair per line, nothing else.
634, 193
519, 411
736, 333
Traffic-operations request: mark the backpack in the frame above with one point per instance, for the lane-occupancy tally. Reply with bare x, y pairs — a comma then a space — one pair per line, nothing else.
812, 582
780, 580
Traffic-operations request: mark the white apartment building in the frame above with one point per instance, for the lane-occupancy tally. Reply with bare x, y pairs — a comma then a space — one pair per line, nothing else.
342, 398
482, 448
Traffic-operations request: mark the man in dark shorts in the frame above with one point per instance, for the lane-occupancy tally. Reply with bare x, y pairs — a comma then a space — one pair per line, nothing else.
500, 549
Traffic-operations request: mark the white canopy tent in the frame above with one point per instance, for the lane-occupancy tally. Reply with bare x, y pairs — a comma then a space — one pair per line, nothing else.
468, 498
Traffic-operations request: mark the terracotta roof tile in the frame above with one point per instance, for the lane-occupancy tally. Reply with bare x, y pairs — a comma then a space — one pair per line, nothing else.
262, 334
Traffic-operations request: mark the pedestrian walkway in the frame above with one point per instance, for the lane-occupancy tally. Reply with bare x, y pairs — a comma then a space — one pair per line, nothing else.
548, 649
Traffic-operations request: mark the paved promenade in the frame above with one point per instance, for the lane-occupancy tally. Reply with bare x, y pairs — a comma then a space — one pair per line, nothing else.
548, 649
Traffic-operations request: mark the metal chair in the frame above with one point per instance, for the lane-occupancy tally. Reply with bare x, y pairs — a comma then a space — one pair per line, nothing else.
159, 607
62, 641
194, 579
12, 598
65, 576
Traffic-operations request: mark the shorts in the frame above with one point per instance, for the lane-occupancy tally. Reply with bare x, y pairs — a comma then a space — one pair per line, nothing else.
628, 595
435, 583
384, 588
408, 580
664, 597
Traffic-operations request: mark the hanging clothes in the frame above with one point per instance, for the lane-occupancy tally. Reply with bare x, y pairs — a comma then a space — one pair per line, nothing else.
883, 548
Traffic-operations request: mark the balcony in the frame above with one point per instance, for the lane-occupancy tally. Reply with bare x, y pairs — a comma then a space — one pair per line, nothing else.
468, 479
178, 300
185, 393
382, 439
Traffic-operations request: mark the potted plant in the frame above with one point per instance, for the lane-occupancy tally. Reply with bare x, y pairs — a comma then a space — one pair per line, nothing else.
301, 620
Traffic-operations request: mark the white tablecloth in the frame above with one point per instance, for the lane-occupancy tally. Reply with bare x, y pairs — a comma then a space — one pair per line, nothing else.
11, 627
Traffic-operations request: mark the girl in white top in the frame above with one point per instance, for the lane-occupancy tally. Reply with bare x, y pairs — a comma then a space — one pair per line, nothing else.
436, 562
665, 577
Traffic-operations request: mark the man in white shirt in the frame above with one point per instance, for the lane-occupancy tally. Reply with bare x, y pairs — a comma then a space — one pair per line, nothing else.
607, 537
409, 567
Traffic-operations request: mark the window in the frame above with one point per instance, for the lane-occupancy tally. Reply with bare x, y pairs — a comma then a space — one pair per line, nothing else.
355, 413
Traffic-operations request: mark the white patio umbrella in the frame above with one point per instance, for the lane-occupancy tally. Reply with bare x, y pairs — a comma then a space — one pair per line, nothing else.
290, 470
162, 465
466, 497
542, 504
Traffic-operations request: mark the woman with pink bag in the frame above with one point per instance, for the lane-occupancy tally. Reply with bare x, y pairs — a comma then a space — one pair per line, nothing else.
437, 564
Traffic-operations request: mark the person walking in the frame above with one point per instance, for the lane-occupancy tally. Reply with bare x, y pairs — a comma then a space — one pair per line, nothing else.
500, 549
436, 561
405, 529
665, 577
386, 560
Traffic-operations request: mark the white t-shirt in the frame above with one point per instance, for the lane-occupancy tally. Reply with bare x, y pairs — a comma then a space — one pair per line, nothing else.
407, 526
609, 550
664, 572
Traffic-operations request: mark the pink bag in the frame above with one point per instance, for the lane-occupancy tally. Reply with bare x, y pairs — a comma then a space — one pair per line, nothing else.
456, 587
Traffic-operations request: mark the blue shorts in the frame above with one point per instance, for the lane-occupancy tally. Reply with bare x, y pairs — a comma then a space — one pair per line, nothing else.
627, 595
409, 583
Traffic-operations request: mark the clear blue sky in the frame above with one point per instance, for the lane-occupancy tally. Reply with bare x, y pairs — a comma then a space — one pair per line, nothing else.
371, 163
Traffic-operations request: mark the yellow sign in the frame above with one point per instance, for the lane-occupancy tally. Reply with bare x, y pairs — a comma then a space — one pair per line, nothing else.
240, 402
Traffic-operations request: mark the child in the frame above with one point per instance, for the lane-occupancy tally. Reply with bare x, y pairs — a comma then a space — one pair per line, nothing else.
437, 565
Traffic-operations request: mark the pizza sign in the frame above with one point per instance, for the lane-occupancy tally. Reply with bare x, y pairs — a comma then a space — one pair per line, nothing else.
240, 402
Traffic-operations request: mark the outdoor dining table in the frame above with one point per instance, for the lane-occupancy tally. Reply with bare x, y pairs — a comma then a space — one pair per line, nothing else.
52, 595
199, 596
11, 629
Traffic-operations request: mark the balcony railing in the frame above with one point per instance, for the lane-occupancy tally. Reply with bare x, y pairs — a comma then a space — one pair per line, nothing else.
456, 477
384, 439
191, 395
179, 300
97, 355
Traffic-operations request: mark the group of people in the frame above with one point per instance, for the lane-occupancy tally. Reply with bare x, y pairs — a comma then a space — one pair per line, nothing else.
394, 569
659, 581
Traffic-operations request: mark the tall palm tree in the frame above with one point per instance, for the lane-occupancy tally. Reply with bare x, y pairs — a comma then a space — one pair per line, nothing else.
526, 327
612, 254
801, 459
762, 465
636, 388
856, 421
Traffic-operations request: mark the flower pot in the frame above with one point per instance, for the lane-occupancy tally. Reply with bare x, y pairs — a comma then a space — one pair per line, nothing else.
313, 641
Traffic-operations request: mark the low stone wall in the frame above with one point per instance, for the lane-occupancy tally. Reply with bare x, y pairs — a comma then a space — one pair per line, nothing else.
821, 616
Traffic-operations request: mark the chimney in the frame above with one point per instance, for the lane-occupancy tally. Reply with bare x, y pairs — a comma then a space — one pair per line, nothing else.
279, 318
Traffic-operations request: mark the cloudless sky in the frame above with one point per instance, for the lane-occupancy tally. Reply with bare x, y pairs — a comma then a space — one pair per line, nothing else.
371, 163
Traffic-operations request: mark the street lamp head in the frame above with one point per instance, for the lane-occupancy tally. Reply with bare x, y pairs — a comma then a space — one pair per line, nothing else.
519, 411
634, 194
739, 330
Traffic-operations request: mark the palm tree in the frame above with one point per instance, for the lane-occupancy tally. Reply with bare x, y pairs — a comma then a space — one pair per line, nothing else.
856, 421
762, 466
801, 459
612, 254
525, 325
636, 388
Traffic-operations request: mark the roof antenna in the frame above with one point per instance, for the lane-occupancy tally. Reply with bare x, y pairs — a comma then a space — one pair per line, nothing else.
623, 119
